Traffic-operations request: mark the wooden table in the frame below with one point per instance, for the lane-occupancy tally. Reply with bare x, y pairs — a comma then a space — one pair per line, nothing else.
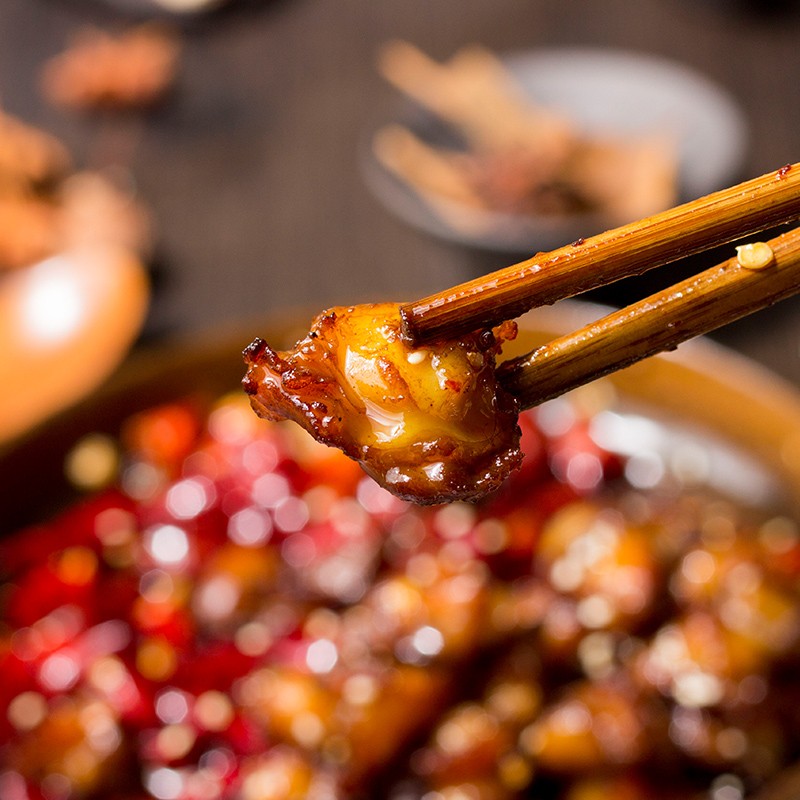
252, 168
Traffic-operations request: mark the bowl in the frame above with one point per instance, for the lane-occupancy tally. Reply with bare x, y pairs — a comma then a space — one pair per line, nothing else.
605, 92
308, 702
704, 385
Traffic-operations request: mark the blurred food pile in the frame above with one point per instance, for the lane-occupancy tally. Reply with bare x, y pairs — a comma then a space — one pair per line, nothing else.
512, 156
243, 615
73, 286
47, 207
74, 241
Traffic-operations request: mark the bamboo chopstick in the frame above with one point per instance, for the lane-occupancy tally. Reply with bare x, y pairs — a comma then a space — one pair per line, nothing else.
660, 322
585, 264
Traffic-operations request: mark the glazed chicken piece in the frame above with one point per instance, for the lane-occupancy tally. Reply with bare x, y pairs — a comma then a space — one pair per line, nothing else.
431, 424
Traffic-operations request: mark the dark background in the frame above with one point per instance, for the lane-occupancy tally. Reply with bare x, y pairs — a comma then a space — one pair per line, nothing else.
252, 166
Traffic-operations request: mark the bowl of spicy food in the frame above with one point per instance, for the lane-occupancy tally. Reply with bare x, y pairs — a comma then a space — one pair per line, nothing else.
214, 606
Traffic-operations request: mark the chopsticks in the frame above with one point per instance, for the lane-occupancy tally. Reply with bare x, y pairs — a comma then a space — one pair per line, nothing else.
586, 264
700, 304
660, 322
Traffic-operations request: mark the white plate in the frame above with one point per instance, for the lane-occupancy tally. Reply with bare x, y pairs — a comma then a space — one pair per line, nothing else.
603, 91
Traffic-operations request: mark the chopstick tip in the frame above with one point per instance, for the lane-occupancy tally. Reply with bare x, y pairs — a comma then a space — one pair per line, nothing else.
408, 331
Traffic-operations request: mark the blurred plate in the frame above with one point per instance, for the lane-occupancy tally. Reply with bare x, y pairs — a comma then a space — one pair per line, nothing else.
603, 92
65, 324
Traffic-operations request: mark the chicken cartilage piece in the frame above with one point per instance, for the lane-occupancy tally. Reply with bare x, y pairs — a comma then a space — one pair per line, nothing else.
430, 424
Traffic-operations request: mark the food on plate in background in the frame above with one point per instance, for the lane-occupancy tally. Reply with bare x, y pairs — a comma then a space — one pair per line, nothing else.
430, 424
47, 207
32, 163
516, 157
73, 287
28, 156
244, 615
134, 69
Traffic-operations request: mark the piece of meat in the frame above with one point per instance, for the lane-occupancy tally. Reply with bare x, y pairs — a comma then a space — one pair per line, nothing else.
99, 70
429, 424
29, 158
